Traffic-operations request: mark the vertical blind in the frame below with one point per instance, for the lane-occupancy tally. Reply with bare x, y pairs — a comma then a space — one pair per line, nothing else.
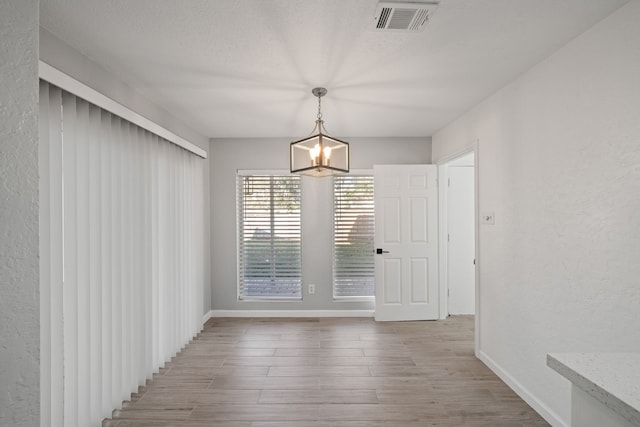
269, 244
353, 231
121, 232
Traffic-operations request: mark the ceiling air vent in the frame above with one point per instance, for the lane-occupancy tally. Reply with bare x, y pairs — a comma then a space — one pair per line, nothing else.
403, 16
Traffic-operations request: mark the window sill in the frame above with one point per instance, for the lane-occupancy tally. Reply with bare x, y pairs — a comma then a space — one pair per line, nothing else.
354, 299
270, 299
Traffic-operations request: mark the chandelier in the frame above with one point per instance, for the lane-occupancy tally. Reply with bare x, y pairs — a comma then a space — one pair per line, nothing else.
319, 154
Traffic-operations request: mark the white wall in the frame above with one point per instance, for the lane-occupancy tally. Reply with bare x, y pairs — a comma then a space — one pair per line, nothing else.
559, 163
19, 270
229, 155
59, 55
65, 58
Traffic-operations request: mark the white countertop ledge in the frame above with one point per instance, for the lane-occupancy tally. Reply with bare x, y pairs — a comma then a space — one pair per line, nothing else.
611, 378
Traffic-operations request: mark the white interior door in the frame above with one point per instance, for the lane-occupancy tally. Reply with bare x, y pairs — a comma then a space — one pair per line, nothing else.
461, 240
406, 231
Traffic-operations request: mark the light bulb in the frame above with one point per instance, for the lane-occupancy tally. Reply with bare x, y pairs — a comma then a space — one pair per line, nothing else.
314, 153
327, 152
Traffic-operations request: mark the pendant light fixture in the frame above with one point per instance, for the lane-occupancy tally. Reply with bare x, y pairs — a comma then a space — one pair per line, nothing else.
319, 154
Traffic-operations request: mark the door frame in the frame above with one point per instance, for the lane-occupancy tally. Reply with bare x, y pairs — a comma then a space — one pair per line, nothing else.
443, 177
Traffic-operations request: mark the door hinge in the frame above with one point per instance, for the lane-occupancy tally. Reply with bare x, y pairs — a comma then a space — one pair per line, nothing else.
448, 237
448, 182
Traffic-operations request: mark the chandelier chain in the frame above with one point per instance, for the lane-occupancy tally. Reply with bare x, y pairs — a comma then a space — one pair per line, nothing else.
319, 106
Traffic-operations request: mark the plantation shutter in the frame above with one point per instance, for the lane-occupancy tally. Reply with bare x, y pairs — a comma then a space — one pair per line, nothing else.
269, 244
353, 267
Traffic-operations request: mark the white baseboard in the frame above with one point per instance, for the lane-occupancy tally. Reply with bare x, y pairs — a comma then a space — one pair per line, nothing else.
208, 315
287, 313
542, 409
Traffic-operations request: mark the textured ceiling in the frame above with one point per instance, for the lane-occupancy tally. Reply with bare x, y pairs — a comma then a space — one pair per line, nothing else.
245, 68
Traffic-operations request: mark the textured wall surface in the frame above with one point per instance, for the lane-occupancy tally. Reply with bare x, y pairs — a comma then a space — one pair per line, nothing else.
19, 276
229, 155
559, 163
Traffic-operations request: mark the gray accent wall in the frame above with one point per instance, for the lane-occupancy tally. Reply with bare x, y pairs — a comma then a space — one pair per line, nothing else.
229, 155
19, 269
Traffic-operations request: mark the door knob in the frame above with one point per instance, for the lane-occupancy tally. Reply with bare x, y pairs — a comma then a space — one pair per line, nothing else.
379, 251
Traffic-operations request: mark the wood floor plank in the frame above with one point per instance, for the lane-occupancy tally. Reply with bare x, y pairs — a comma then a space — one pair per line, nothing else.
366, 361
387, 352
304, 343
171, 414
319, 424
265, 383
325, 352
410, 384
380, 412
349, 372
318, 396
272, 412
271, 361
319, 371
159, 398
184, 423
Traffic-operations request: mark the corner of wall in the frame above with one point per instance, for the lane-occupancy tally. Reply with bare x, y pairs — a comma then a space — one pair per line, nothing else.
19, 210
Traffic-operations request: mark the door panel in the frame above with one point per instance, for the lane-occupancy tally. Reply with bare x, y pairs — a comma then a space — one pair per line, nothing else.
406, 227
393, 279
419, 216
419, 280
392, 217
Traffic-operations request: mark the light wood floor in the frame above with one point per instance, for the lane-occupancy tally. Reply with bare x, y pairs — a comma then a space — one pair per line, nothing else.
327, 372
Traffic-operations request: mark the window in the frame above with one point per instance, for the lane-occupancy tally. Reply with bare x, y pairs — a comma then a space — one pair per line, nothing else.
269, 248
353, 268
